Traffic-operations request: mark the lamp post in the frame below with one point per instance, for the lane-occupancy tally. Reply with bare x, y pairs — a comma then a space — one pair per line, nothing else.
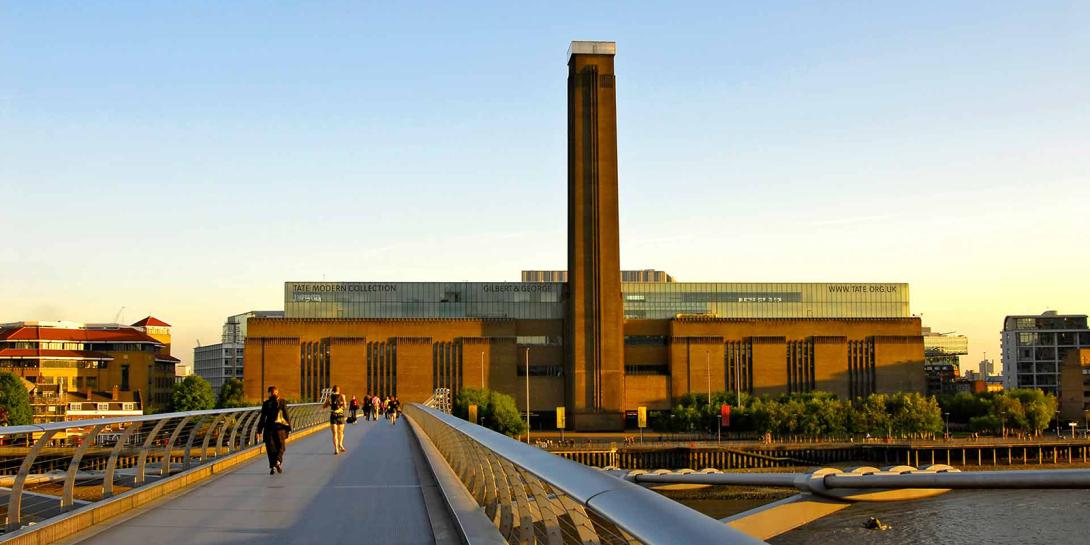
482, 369
1003, 419
708, 375
1074, 426
947, 415
527, 395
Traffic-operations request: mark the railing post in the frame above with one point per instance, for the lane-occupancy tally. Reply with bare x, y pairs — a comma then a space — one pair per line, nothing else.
208, 436
191, 439
68, 495
111, 464
241, 423
165, 465
15, 502
252, 435
138, 478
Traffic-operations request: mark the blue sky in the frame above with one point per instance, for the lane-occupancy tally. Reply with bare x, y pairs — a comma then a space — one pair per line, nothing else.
185, 160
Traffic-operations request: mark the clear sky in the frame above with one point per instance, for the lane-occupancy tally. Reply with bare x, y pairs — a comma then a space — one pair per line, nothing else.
185, 160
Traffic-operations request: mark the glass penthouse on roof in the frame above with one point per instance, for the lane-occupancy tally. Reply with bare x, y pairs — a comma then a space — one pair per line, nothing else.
545, 300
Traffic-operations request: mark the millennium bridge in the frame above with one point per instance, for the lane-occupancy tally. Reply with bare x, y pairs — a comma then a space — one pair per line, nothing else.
201, 478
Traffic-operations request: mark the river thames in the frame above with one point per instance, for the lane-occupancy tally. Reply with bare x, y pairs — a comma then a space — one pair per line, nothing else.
995, 517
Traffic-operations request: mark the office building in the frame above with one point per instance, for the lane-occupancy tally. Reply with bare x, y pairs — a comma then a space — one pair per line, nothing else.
218, 362
592, 339
942, 364
77, 370
1035, 345
1075, 386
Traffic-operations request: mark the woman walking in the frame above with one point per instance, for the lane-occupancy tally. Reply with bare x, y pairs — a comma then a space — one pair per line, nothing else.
274, 426
376, 404
336, 404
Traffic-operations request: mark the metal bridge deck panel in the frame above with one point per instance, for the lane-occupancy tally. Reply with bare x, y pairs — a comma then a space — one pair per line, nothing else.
371, 494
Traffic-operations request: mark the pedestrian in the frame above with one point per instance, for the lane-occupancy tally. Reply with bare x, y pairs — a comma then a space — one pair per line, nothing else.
353, 407
393, 410
336, 404
274, 426
386, 407
376, 404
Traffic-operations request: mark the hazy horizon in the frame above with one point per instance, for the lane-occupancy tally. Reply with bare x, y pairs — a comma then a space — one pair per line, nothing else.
185, 161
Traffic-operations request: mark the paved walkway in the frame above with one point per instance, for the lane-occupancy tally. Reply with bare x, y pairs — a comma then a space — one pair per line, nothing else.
371, 494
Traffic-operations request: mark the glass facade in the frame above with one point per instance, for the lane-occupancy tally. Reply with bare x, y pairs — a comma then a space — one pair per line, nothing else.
522, 300
764, 300
1034, 348
545, 300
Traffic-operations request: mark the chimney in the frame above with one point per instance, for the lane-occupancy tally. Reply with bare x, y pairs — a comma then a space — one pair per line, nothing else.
115, 394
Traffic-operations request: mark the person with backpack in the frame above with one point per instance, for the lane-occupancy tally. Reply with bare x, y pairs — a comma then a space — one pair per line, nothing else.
336, 405
353, 408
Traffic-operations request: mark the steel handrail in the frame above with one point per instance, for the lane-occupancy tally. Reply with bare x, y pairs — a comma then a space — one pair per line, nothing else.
206, 422
69, 424
647, 516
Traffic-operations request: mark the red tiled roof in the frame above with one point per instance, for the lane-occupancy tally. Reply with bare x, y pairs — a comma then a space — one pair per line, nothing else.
167, 358
35, 333
152, 321
8, 353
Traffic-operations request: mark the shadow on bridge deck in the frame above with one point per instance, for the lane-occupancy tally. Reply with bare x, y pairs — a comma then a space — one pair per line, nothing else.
377, 492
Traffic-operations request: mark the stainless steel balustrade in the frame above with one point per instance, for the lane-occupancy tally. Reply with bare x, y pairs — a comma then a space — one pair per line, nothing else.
43, 468
533, 496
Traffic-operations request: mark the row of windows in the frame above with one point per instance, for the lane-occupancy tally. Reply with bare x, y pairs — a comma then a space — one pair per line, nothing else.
1061, 338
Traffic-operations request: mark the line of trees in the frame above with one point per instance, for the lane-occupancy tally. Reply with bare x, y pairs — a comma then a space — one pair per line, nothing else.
195, 394
817, 414
1022, 409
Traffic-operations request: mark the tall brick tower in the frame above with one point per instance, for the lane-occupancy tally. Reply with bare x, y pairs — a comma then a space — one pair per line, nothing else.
595, 337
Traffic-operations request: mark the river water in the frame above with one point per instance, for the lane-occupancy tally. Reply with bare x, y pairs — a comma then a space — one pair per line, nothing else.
969, 517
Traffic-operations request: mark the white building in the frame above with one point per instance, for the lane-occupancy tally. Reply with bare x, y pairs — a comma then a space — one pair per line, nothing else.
218, 362
1034, 347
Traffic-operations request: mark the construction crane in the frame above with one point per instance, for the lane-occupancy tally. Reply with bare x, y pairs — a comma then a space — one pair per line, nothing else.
117, 317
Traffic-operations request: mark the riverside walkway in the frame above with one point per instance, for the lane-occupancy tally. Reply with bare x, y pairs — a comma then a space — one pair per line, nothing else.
374, 493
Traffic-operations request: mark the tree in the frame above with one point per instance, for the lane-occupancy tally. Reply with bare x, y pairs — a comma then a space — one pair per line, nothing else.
14, 400
231, 395
495, 411
1039, 408
192, 394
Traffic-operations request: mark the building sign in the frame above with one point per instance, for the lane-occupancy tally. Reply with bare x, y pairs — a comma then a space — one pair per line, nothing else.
724, 416
342, 287
519, 287
862, 288
472, 416
561, 418
641, 417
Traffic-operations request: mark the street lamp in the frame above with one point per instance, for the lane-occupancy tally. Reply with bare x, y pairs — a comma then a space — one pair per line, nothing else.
1073, 425
947, 414
482, 369
527, 395
1003, 417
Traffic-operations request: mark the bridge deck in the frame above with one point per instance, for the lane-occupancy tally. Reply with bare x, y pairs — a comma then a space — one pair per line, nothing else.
374, 493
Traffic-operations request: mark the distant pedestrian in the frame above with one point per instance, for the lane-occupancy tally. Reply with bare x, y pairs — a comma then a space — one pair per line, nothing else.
274, 426
376, 405
337, 405
392, 410
353, 408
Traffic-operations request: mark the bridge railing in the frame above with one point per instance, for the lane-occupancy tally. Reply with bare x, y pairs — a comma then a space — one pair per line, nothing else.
49, 469
533, 496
